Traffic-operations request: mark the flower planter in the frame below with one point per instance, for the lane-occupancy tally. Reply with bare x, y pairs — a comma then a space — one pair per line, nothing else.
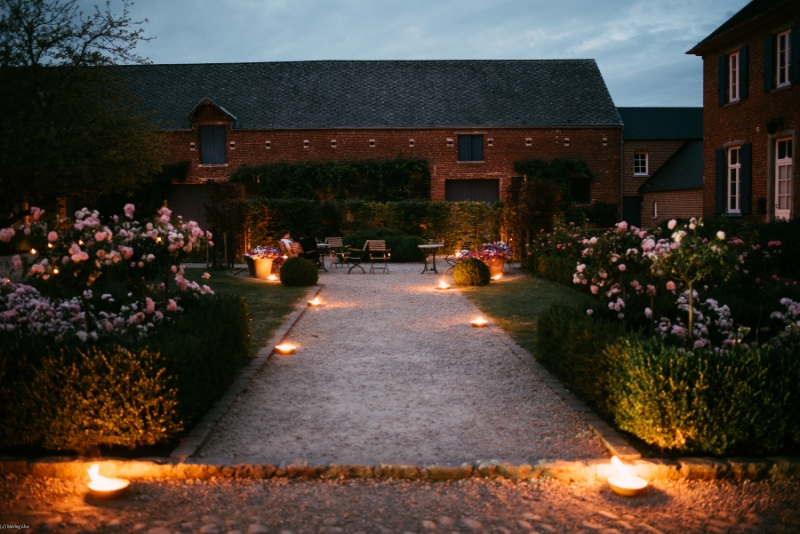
495, 265
251, 266
262, 267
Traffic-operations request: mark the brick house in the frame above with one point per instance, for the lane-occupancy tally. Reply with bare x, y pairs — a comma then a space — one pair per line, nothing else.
675, 190
751, 112
651, 138
470, 119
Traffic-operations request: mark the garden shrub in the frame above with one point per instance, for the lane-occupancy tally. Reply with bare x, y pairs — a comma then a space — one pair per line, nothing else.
298, 272
743, 400
78, 396
570, 344
406, 249
471, 272
553, 268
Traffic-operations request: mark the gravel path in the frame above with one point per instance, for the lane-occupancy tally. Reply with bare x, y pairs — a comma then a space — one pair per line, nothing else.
298, 506
390, 370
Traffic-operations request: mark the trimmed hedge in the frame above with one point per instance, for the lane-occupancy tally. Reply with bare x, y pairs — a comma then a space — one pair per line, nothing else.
299, 272
744, 401
471, 272
570, 344
555, 268
82, 396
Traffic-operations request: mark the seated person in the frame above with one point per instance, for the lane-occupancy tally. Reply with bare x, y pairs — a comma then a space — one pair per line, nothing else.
287, 240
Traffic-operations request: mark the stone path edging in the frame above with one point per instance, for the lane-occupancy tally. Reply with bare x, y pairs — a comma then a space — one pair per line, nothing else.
616, 444
739, 469
199, 433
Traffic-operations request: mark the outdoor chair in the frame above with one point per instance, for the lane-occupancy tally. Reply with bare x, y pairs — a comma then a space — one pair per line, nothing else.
378, 253
311, 253
337, 251
354, 257
452, 258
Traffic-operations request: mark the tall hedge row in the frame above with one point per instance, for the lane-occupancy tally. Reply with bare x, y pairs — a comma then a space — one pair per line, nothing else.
79, 396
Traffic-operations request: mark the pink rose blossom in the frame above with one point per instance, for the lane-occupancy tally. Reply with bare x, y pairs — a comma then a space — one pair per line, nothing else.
622, 267
129, 209
595, 290
206, 276
671, 286
172, 305
149, 306
52, 236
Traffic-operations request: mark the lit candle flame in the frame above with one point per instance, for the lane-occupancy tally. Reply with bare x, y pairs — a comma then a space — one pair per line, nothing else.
101, 483
55, 270
443, 285
285, 348
480, 321
49, 245
625, 483
33, 251
497, 276
621, 470
272, 278
315, 301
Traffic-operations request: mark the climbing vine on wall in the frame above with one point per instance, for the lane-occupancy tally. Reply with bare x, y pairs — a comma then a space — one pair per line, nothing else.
392, 180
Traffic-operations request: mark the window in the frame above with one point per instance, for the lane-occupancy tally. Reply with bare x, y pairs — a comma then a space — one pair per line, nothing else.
733, 77
640, 164
212, 145
470, 148
783, 178
783, 59
580, 190
734, 180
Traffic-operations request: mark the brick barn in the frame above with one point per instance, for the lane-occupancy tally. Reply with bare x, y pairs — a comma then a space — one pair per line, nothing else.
751, 103
471, 120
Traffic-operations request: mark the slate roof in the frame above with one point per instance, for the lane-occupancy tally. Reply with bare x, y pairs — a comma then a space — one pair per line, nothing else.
684, 170
662, 123
753, 10
382, 94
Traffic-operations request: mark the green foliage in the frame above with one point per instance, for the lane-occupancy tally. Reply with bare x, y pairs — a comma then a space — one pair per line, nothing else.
396, 179
150, 194
552, 267
76, 397
298, 272
570, 344
227, 216
744, 401
598, 215
69, 127
471, 272
406, 249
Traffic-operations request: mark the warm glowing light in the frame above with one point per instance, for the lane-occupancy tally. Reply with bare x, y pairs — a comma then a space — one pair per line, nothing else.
55, 270
80, 242
498, 276
624, 482
285, 348
158, 240
285, 257
49, 245
33, 251
443, 285
479, 322
272, 278
101, 486
315, 301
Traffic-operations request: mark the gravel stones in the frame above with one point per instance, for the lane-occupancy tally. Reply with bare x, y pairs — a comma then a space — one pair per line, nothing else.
389, 370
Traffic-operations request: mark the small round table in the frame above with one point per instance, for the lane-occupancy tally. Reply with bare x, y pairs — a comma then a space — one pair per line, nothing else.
432, 248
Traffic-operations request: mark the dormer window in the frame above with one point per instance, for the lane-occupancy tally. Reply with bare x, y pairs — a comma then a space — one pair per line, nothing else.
212, 145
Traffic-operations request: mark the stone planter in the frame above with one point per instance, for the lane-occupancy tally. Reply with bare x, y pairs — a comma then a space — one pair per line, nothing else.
496, 265
251, 266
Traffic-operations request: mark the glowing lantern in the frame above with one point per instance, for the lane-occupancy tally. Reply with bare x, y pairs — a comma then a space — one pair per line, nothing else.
55, 270
479, 322
443, 285
105, 488
498, 276
624, 482
314, 302
49, 245
285, 348
272, 278
33, 251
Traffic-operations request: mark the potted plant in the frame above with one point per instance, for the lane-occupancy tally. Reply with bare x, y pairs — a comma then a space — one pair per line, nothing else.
495, 255
260, 259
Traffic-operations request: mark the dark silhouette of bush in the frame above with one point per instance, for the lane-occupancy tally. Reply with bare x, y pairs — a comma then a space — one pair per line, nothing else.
471, 272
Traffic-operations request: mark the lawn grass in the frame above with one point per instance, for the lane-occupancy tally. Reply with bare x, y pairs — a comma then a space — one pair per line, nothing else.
515, 305
269, 302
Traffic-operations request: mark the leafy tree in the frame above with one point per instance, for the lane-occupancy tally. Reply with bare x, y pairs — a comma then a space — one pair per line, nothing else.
68, 126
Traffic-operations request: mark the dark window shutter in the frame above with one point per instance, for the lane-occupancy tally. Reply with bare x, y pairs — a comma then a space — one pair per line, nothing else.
746, 155
212, 145
723, 68
744, 74
477, 148
472, 190
719, 191
464, 148
794, 53
769, 63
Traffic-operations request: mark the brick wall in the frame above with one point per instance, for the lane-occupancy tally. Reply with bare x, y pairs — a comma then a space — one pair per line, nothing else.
745, 121
507, 146
658, 153
671, 205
